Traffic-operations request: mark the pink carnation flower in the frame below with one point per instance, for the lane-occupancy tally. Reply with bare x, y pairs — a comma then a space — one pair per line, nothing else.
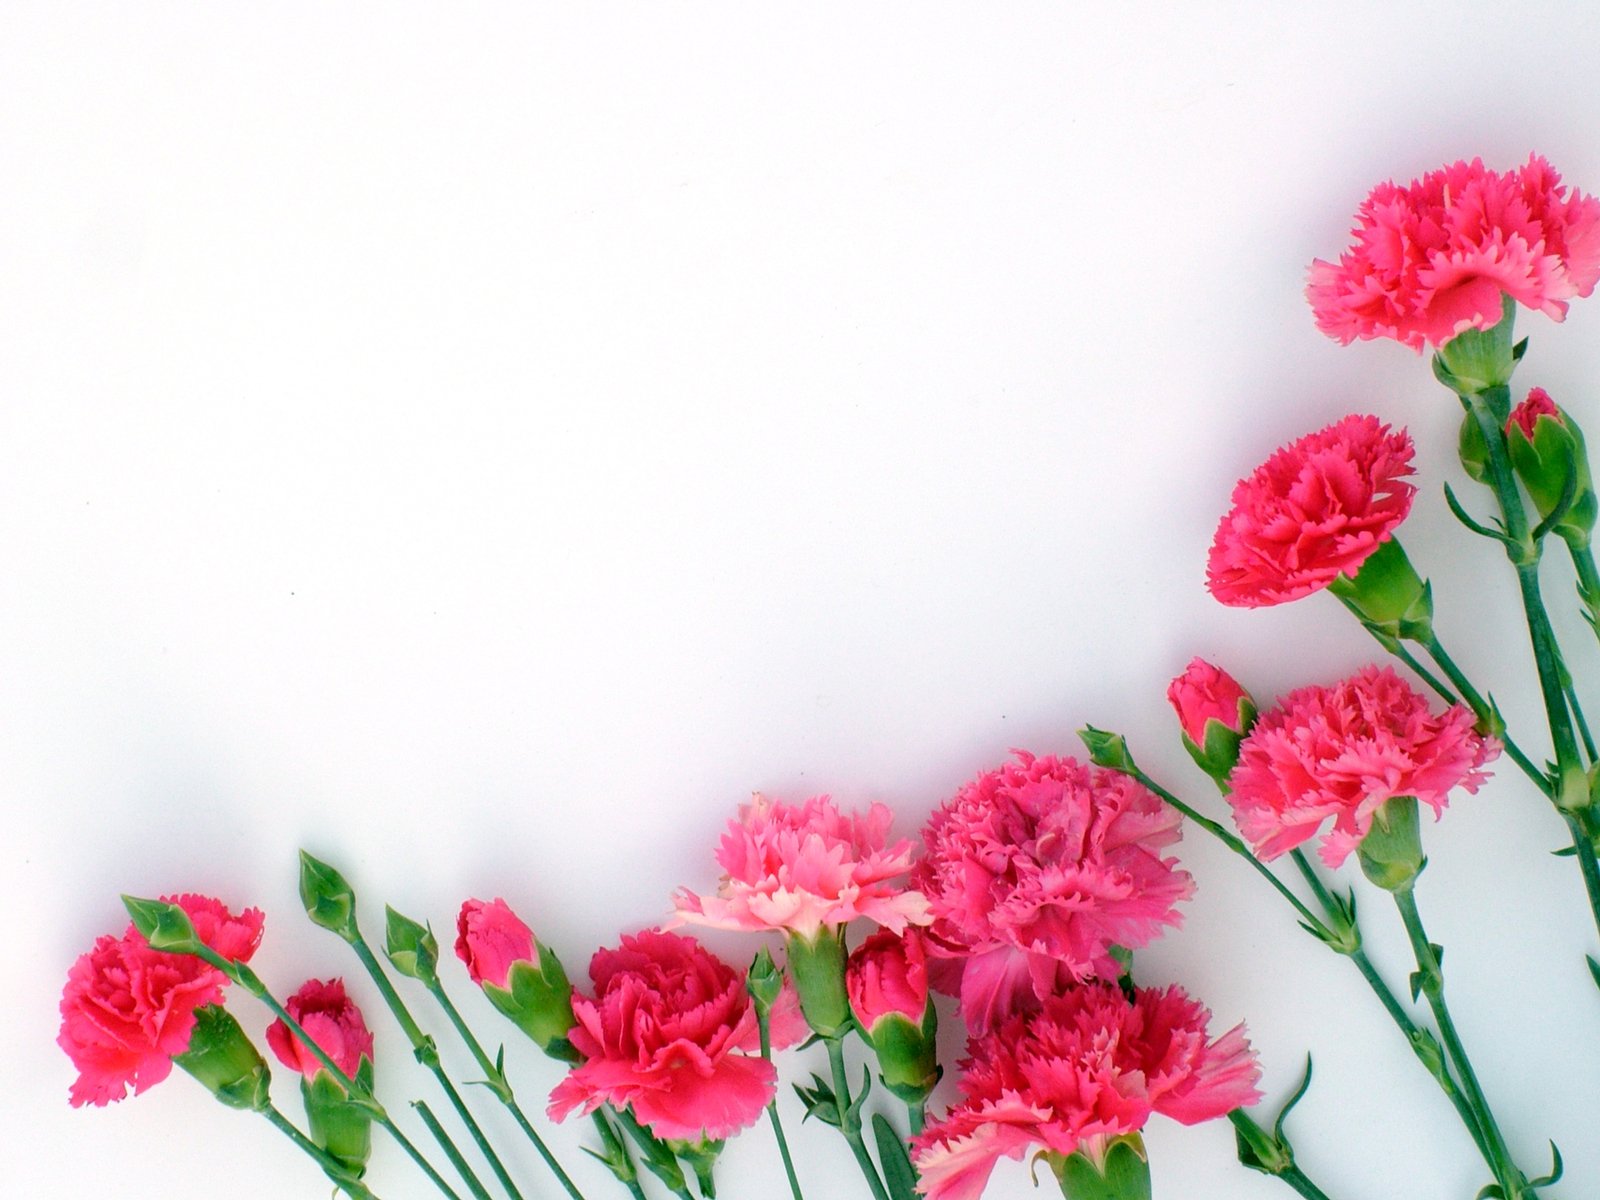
1206, 693
803, 867
1432, 260
1090, 1066
334, 1022
671, 1035
1315, 510
887, 975
1034, 870
1343, 752
1526, 415
128, 1009
490, 938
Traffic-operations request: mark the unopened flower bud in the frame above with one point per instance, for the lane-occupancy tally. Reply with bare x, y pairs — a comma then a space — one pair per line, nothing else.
411, 948
163, 924
764, 982
521, 978
222, 1057
1548, 454
339, 1124
1215, 713
330, 901
887, 981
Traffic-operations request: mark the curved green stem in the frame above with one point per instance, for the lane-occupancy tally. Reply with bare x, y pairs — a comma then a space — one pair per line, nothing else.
764, 1028
1512, 1182
498, 1084
331, 1167
428, 1055
850, 1120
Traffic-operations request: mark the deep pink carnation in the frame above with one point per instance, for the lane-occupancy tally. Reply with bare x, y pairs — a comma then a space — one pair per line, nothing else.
127, 1009
1432, 260
1091, 1065
489, 938
1034, 870
801, 867
1313, 511
334, 1023
670, 1034
1526, 415
1206, 693
1342, 752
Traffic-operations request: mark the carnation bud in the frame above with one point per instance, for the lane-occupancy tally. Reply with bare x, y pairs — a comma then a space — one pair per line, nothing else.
1391, 852
1215, 713
1548, 454
1388, 595
764, 982
330, 901
222, 1057
411, 948
887, 982
163, 924
1119, 1172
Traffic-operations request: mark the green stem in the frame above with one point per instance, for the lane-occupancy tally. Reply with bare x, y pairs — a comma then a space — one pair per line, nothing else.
916, 1116
246, 978
764, 1028
1283, 1166
1233, 843
1588, 583
428, 1055
1513, 1183
610, 1137
1583, 725
331, 1167
1484, 711
449, 1148
498, 1084
850, 1120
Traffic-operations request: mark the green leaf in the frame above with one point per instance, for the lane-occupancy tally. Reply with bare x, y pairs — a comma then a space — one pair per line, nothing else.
1557, 1169
898, 1172
1594, 969
1299, 1094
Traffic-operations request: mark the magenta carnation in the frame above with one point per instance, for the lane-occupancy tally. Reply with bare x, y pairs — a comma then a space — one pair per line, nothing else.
128, 1009
1035, 870
1343, 752
1432, 260
1525, 416
803, 867
1315, 510
334, 1023
1089, 1066
670, 1035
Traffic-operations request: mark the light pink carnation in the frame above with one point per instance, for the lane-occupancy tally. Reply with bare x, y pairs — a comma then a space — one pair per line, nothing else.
671, 1035
803, 867
1432, 260
1315, 510
128, 1009
1034, 870
1342, 752
1091, 1065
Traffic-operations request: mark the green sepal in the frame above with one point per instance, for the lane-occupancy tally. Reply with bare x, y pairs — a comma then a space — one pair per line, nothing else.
1218, 753
702, 1159
908, 1053
1388, 595
1391, 853
340, 1125
538, 1000
817, 965
1124, 1173
1477, 360
223, 1058
898, 1173
411, 948
328, 898
164, 925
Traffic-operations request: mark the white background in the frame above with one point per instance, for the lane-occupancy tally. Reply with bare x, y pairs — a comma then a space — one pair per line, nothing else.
483, 443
